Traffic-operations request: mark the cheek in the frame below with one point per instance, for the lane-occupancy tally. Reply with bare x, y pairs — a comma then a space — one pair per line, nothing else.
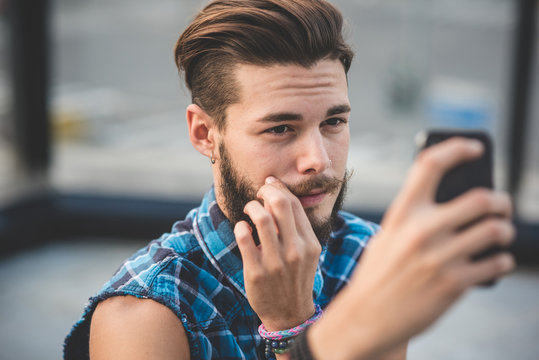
276, 163
258, 162
338, 152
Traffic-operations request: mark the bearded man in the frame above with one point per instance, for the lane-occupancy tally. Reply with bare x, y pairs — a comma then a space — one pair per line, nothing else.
269, 247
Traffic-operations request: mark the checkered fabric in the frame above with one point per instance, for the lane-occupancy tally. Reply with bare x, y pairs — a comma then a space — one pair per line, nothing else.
196, 271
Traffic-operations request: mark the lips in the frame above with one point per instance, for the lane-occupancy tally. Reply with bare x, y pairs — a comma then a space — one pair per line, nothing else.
312, 199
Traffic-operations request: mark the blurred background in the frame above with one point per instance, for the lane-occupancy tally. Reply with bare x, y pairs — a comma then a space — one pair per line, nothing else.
95, 159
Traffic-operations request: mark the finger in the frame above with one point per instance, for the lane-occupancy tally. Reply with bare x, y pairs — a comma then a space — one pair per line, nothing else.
286, 210
273, 182
475, 204
265, 226
246, 244
477, 272
481, 236
279, 201
432, 163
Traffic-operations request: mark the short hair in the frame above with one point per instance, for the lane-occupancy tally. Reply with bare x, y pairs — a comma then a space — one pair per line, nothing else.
256, 32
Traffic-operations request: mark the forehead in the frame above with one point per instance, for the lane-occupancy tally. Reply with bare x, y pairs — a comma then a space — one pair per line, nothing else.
288, 86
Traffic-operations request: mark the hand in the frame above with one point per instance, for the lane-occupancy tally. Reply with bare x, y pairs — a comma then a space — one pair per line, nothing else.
279, 273
419, 263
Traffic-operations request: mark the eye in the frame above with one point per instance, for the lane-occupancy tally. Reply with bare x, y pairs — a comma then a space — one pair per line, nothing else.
334, 121
281, 129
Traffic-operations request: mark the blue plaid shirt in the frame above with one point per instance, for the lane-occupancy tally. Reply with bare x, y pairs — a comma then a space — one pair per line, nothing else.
196, 271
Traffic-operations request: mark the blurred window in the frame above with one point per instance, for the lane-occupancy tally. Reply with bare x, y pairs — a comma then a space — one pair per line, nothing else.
119, 105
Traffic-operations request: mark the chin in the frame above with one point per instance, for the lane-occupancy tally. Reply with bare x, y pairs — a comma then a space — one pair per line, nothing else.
318, 214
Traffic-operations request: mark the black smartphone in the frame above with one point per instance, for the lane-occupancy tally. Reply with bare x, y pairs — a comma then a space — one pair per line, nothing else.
465, 176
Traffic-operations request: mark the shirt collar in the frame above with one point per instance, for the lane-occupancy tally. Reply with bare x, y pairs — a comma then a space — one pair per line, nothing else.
216, 237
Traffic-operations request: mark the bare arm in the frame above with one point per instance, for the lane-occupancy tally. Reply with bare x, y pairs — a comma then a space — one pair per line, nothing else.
126, 327
419, 264
398, 353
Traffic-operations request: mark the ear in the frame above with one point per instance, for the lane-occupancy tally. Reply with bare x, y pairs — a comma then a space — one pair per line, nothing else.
202, 130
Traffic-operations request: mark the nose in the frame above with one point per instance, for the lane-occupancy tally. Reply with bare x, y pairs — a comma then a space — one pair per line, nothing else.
313, 157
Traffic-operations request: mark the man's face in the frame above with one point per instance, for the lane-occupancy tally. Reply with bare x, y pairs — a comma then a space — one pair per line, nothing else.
291, 123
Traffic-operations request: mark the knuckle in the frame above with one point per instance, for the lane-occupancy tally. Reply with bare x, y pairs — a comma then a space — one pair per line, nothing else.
505, 203
296, 204
276, 269
262, 219
482, 198
512, 233
501, 232
497, 267
315, 249
279, 203
293, 258
254, 276
241, 237
418, 238
496, 229
451, 283
431, 264
507, 232
251, 204
502, 264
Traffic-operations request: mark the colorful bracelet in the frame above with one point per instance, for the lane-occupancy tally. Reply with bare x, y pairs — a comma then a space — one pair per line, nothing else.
284, 334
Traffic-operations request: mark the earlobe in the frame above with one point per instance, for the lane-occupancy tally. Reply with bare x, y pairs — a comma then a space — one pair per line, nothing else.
201, 130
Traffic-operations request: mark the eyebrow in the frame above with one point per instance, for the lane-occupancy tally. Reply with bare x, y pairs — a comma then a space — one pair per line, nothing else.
338, 109
280, 117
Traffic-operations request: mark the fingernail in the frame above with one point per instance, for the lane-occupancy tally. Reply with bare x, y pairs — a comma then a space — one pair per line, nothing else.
476, 145
270, 179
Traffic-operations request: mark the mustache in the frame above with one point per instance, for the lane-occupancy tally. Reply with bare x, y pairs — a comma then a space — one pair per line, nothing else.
324, 183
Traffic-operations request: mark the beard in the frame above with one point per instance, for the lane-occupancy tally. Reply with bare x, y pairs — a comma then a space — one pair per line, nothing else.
238, 191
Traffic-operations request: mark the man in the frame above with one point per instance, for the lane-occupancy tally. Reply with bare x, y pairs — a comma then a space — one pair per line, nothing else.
268, 245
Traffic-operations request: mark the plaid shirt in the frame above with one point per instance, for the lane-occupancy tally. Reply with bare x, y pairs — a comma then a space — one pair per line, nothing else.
196, 271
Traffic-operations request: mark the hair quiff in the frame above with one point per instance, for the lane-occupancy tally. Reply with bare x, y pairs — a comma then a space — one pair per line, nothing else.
257, 32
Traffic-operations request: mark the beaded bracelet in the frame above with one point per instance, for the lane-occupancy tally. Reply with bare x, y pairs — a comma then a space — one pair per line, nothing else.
284, 334
277, 347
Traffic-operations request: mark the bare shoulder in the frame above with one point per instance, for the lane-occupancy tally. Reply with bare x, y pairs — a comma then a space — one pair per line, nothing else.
125, 327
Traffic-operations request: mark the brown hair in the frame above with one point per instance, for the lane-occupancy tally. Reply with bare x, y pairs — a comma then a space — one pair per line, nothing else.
257, 32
